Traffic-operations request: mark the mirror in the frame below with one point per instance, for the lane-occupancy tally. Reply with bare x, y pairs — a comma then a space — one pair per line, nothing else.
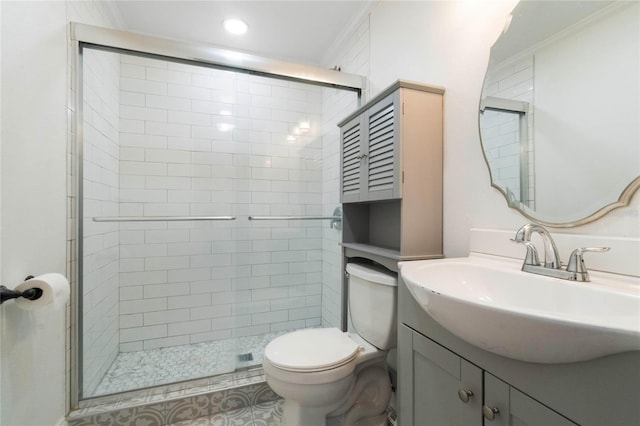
559, 110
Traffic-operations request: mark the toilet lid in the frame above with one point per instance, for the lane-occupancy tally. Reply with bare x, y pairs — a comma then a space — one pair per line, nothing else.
314, 349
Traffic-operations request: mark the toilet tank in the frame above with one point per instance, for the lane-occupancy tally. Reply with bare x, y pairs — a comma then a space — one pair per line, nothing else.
373, 293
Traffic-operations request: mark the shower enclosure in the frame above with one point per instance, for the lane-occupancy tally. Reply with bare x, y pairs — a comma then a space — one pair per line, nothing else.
206, 194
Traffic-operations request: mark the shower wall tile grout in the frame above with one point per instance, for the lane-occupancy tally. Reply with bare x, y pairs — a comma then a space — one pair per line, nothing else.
178, 281
100, 337
178, 157
185, 283
352, 57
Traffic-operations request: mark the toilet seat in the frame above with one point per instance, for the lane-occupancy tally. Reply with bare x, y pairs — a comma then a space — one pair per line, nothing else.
312, 350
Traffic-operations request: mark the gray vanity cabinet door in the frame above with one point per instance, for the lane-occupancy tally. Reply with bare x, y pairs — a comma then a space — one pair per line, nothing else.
515, 408
430, 380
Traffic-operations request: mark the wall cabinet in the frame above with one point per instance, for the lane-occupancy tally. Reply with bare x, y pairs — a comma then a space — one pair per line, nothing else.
371, 154
438, 387
391, 176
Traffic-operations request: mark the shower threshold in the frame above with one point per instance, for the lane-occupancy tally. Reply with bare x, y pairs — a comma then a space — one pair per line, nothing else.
163, 366
178, 403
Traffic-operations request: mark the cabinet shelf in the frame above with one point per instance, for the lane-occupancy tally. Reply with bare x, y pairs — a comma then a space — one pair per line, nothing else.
355, 248
386, 257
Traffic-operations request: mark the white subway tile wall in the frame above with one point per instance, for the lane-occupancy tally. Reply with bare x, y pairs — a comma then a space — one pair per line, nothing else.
100, 338
200, 141
353, 57
170, 139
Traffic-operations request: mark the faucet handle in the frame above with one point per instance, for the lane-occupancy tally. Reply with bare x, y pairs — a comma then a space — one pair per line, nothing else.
576, 262
524, 233
531, 257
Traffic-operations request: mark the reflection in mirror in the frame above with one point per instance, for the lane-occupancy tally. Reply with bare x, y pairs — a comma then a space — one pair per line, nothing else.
559, 111
506, 144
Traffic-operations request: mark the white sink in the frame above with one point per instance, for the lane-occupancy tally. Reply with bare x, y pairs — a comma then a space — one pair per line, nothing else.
490, 303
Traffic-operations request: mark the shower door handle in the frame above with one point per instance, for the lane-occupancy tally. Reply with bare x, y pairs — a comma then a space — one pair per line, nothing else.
336, 219
159, 218
293, 217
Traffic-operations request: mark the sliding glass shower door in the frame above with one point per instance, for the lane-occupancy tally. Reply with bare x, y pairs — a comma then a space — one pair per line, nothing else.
196, 189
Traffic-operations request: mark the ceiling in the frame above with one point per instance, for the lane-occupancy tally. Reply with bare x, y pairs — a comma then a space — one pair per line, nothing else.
298, 31
535, 21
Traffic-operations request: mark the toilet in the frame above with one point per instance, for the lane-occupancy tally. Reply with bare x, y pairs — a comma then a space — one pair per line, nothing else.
327, 375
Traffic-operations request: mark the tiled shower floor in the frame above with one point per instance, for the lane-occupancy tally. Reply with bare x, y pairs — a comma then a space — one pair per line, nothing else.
135, 370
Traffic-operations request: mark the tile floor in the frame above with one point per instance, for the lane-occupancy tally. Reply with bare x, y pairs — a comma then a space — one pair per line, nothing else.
136, 370
239, 402
262, 414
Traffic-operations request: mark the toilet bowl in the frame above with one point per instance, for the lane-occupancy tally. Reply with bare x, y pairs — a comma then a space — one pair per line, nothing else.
316, 372
325, 372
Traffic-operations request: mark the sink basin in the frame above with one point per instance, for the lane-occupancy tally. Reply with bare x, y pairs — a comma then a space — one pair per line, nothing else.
490, 303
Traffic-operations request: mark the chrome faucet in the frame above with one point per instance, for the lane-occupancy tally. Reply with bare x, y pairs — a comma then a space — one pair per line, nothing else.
552, 267
551, 256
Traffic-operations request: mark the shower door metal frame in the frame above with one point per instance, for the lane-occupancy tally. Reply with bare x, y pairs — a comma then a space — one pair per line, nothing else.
92, 37
213, 56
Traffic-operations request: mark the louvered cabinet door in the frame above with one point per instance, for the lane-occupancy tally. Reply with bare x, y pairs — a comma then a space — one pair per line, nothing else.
382, 155
352, 158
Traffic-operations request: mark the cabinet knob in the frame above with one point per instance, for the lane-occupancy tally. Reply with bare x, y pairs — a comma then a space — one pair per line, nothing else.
465, 395
490, 413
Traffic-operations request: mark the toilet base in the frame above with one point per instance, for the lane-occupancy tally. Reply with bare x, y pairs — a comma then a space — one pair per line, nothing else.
296, 415
305, 404
380, 420
367, 402
364, 404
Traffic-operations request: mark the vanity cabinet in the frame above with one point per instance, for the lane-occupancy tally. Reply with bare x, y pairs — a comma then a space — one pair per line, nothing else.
446, 389
391, 174
436, 368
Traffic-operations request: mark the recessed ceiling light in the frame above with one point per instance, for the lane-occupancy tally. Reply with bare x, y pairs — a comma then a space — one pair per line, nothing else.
235, 26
